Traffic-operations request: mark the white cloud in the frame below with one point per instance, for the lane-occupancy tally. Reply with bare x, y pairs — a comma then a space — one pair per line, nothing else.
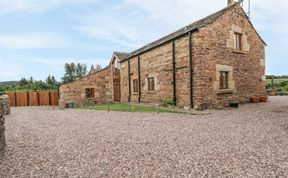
176, 12
133, 23
111, 30
58, 63
33, 6
9, 71
33, 40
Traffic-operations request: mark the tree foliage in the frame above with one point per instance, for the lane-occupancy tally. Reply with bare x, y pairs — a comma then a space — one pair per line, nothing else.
31, 85
73, 72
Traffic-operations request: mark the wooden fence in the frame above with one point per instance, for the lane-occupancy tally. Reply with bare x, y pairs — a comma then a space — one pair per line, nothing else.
33, 98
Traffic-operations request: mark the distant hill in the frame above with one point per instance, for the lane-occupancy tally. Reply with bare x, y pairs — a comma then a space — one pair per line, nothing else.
9, 83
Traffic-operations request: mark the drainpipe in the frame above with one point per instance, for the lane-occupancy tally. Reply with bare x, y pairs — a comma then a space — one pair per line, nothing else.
129, 82
191, 70
139, 81
174, 72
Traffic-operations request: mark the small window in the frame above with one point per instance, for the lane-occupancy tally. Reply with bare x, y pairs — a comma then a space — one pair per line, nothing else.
135, 86
237, 41
224, 80
151, 84
89, 92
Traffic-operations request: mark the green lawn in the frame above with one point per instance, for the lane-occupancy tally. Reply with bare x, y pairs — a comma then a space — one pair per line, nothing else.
276, 81
128, 108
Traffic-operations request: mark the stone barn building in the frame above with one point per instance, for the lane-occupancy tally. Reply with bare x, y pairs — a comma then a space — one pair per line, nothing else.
98, 87
207, 64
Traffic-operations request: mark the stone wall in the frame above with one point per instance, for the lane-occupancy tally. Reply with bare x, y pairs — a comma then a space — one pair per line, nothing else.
157, 63
212, 50
4, 99
101, 82
2, 126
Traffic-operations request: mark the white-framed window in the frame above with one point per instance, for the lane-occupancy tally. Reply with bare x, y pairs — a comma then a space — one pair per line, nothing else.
237, 41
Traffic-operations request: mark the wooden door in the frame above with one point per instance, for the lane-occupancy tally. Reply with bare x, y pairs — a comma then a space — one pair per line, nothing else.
116, 89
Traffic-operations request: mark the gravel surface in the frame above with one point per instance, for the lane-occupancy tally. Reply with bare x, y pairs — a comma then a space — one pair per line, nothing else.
251, 141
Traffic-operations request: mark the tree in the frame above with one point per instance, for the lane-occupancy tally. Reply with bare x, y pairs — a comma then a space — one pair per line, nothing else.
23, 81
31, 80
92, 67
54, 81
72, 72
81, 70
49, 80
98, 67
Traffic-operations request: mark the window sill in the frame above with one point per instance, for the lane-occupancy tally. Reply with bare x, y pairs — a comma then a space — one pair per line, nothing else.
151, 92
239, 51
224, 91
135, 93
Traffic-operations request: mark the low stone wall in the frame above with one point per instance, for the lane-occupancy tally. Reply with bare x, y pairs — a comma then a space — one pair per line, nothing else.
4, 99
2, 126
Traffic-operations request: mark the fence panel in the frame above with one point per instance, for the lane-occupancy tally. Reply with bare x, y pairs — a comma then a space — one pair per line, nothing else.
11, 98
54, 98
21, 99
33, 98
44, 99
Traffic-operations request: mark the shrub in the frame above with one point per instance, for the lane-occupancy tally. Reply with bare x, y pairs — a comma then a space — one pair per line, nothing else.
168, 102
286, 88
280, 89
268, 86
284, 84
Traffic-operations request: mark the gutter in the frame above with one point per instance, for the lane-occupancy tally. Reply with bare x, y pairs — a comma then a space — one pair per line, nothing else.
191, 70
139, 81
129, 83
174, 73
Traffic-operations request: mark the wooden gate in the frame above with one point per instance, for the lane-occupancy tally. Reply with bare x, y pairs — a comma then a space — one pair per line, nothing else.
116, 89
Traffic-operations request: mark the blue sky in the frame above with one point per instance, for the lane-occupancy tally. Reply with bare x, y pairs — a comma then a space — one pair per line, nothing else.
37, 37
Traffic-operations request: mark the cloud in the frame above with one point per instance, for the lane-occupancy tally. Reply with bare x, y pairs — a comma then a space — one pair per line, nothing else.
133, 23
40, 68
9, 70
110, 30
33, 41
34, 6
58, 63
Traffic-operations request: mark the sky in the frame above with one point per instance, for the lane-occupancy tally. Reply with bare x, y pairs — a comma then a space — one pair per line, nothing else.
37, 37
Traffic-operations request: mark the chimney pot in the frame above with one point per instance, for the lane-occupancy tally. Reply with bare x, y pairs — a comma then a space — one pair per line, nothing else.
230, 2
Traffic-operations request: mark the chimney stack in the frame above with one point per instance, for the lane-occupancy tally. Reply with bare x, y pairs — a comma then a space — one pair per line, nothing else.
230, 2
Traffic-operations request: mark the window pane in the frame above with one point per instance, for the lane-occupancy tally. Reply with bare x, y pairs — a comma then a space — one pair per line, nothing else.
89, 92
151, 85
237, 41
224, 80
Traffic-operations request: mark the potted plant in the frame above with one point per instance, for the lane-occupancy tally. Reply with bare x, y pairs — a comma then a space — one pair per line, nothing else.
263, 99
234, 104
255, 99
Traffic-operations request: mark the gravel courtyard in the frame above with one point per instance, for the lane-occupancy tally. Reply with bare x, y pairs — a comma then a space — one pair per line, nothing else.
251, 141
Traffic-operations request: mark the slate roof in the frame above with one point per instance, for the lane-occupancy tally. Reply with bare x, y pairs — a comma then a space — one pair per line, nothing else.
121, 55
189, 28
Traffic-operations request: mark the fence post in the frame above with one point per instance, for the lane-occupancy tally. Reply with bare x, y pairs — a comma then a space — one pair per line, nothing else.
38, 98
28, 99
15, 98
49, 98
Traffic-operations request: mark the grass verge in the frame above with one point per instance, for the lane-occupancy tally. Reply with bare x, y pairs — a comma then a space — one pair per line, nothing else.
128, 108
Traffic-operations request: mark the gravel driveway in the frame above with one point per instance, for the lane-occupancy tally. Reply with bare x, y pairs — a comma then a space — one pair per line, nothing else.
251, 141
